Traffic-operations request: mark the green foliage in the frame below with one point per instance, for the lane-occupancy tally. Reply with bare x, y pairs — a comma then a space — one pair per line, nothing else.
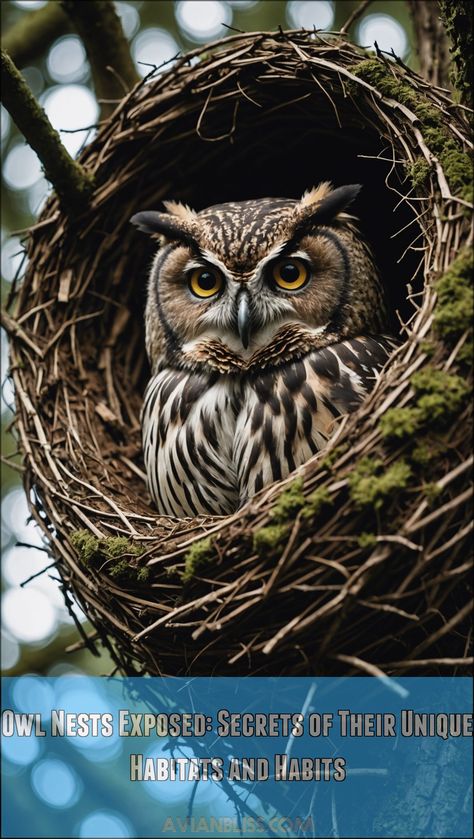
199, 555
270, 537
112, 552
371, 483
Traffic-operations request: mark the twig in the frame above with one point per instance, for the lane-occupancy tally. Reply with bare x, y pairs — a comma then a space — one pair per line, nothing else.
71, 182
356, 14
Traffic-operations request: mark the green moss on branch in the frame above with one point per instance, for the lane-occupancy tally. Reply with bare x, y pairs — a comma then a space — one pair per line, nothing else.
71, 182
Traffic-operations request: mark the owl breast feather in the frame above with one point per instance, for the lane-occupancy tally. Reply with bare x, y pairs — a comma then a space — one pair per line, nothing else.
211, 441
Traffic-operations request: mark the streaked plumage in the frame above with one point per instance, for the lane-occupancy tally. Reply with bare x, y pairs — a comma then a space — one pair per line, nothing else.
264, 324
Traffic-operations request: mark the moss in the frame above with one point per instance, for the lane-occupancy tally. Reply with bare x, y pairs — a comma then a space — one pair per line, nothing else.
199, 555
86, 545
372, 484
418, 172
425, 452
367, 540
453, 313
329, 460
438, 397
270, 537
316, 501
143, 574
94, 551
456, 163
400, 422
431, 491
290, 502
440, 394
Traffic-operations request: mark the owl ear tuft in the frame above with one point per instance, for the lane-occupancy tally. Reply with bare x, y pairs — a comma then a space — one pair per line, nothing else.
322, 204
163, 224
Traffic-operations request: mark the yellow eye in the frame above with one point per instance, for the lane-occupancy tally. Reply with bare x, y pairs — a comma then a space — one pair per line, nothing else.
205, 282
290, 274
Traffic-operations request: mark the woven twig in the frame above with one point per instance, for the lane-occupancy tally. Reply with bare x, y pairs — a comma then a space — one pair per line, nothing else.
261, 114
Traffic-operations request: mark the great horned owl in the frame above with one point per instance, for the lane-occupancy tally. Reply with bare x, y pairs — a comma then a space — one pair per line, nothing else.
264, 325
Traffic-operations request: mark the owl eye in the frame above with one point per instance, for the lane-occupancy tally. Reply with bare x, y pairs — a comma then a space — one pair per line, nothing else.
205, 282
290, 274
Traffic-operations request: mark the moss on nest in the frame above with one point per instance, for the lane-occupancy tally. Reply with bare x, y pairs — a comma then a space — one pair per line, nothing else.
453, 313
198, 556
316, 501
270, 537
290, 502
372, 484
438, 397
112, 552
456, 163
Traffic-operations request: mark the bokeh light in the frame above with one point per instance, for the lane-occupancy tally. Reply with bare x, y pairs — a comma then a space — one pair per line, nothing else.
22, 167
34, 79
201, 21
384, 29
29, 5
55, 783
309, 14
71, 107
129, 17
67, 60
4, 123
33, 695
20, 750
153, 46
29, 615
10, 651
13, 255
104, 823
15, 516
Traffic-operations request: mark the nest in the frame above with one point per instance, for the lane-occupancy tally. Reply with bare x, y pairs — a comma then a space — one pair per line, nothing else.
359, 562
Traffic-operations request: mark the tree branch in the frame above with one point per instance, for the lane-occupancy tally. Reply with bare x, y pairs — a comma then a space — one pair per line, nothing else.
457, 18
432, 43
100, 29
72, 184
34, 33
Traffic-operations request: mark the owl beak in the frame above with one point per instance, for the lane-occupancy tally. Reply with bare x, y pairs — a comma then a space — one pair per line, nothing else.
243, 317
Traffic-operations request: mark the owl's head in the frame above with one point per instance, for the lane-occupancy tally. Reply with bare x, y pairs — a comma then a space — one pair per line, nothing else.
257, 283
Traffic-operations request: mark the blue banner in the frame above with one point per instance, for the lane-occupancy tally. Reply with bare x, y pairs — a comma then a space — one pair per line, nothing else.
251, 757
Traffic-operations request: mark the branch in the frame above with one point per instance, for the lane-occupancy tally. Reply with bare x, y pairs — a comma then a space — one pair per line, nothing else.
34, 33
457, 18
100, 29
72, 184
432, 43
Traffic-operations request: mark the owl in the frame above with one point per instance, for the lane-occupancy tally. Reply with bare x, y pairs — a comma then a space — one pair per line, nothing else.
265, 324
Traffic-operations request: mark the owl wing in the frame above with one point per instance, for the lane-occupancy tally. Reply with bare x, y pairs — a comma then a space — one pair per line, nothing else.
290, 413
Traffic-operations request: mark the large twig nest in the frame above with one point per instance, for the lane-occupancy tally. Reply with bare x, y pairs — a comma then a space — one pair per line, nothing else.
359, 561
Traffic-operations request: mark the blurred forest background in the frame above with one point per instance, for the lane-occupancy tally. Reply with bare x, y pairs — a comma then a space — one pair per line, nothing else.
37, 628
